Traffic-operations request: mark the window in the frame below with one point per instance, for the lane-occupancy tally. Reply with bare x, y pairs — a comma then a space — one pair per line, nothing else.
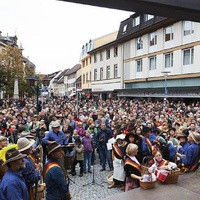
115, 51
108, 72
139, 65
148, 17
101, 73
188, 56
125, 28
168, 60
95, 74
153, 38
108, 54
83, 78
101, 56
152, 63
139, 43
136, 21
115, 71
95, 58
87, 77
169, 33
83, 63
86, 62
90, 60
188, 28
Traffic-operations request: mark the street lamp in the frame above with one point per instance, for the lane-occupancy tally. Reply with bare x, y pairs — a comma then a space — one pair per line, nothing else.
165, 84
33, 81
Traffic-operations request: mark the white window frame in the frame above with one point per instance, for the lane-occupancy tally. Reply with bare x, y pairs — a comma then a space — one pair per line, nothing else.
101, 73
169, 59
169, 34
190, 59
152, 63
188, 28
139, 43
139, 65
95, 74
115, 71
136, 21
108, 72
153, 38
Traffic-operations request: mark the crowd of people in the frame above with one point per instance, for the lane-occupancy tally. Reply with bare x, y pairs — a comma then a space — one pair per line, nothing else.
46, 146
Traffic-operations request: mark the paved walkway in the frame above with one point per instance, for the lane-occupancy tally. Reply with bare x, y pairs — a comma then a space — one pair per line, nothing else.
85, 188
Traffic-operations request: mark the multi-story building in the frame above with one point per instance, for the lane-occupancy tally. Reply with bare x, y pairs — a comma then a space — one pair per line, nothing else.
106, 64
86, 67
160, 57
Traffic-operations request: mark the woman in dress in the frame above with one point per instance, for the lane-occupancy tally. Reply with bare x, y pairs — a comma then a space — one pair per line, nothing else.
132, 168
118, 154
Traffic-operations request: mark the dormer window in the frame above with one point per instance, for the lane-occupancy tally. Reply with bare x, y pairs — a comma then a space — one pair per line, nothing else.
125, 28
148, 17
136, 21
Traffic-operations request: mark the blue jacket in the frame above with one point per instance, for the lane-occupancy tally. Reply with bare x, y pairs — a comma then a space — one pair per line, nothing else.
183, 148
56, 185
13, 187
192, 155
59, 137
30, 174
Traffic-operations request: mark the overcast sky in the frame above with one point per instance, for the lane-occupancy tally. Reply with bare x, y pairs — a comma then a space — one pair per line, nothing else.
53, 32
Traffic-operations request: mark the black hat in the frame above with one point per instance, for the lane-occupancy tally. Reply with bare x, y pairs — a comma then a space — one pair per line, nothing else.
146, 130
78, 140
12, 155
131, 134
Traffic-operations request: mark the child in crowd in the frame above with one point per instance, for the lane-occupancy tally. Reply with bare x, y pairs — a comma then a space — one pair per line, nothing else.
79, 150
88, 149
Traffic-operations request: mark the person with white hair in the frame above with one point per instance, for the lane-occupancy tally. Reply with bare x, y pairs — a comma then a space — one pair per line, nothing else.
132, 168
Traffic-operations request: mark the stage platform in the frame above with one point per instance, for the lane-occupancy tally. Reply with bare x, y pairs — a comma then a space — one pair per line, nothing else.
187, 188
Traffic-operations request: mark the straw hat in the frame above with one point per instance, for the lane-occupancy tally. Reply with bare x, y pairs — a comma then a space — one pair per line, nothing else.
55, 124
195, 136
24, 144
52, 147
25, 134
12, 155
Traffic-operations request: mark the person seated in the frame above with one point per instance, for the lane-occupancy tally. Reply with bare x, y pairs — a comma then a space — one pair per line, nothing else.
161, 167
190, 159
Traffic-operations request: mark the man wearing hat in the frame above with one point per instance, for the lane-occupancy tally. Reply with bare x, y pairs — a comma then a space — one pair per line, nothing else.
55, 177
183, 144
13, 185
31, 173
190, 159
55, 135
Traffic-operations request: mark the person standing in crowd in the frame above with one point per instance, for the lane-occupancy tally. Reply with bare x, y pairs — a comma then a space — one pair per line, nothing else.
31, 173
55, 177
189, 160
132, 168
13, 185
54, 135
103, 135
88, 149
118, 155
3, 142
79, 157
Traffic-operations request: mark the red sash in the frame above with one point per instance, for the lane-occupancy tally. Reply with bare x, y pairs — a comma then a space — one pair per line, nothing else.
118, 151
163, 163
128, 161
48, 167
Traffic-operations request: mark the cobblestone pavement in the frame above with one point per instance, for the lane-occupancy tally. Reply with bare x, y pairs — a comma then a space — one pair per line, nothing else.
85, 188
